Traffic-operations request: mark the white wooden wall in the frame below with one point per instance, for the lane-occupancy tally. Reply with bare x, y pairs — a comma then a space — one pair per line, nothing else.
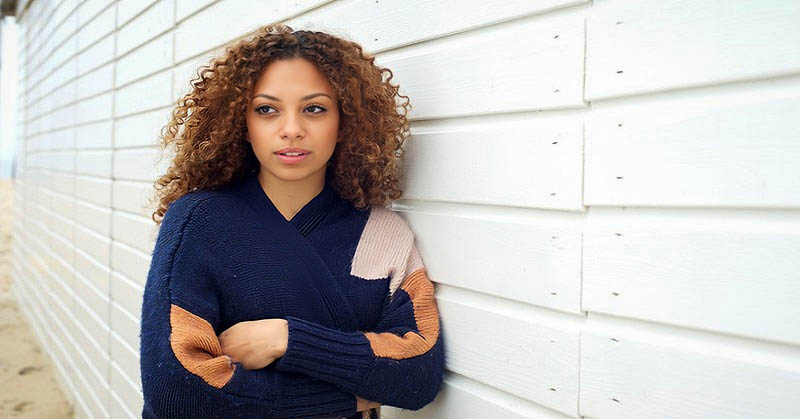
606, 193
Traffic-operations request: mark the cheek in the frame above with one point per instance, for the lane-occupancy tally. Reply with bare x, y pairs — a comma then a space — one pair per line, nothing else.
333, 129
254, 130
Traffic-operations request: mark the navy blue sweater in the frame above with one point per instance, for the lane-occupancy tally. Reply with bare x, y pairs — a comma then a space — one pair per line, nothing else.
361, 311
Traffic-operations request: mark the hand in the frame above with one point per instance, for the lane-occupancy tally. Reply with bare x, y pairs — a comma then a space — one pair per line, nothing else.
363, 404
255, 344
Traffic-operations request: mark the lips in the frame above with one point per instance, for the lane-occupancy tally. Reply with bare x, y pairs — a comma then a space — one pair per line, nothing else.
285, 151
290, 158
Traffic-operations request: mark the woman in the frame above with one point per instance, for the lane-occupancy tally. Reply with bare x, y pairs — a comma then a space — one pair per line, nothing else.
280, 285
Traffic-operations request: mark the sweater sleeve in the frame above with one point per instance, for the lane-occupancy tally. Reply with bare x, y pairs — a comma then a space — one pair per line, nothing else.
183, 370
400, 363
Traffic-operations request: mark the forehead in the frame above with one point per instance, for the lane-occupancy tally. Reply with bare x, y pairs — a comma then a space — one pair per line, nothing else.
294, 77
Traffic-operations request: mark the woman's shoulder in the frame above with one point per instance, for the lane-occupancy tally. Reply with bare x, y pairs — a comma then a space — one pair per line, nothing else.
384, 246
386, 222
200, 206
191, 201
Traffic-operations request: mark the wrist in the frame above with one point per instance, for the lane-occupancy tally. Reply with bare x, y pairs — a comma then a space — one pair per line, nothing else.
283, 343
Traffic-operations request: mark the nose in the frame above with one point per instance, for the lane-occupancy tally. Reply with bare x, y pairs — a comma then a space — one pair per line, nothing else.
292, 126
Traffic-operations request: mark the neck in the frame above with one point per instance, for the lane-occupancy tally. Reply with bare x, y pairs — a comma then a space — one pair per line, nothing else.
289, 197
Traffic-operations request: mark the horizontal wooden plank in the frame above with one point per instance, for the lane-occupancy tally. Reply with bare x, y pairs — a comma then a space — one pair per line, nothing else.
135, 231
96, 217
155, 55
93, 189
99, 275
459, 164
63, 182
192, 36
129, 99
374, 24
633, 47
126, 390
95, 81
141, 129
133, 197
719, 147
125, 326
89, 9
156, 19
127, 293
140, 163
96, 108
535, 261
509, 358
93, 163
66, 92
625, 375
128, 9
96, 135
184, 8
469, 73
94, 395
95, 328
735, 273
52, 69
130, 262
94, 244
461, 397
126, 359
96, 55
119, 409
96, 29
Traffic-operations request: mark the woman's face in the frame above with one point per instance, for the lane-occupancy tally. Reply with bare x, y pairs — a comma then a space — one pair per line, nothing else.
293, 106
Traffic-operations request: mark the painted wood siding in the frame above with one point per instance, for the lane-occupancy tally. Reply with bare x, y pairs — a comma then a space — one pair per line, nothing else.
606, 193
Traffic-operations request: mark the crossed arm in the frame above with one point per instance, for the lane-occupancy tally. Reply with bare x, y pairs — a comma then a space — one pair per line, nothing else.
257, 343
400, 363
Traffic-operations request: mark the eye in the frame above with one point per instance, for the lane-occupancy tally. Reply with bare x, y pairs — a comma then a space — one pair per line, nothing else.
262, 107
316, 106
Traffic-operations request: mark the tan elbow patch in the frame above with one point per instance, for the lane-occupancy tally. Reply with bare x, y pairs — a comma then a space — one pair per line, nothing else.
197, 347
426, 315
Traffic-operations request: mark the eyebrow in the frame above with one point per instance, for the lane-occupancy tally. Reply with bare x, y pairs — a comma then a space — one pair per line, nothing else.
306, 97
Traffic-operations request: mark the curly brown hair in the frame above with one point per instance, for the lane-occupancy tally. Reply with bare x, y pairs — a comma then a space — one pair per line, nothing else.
208, 126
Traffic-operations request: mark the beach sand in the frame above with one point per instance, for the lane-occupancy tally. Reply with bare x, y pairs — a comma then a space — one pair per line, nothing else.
28, 386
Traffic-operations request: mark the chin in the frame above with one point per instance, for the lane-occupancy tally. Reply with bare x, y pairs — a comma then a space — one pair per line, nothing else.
293, 174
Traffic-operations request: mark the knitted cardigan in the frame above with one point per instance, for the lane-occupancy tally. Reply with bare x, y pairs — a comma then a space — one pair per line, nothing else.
360, 309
